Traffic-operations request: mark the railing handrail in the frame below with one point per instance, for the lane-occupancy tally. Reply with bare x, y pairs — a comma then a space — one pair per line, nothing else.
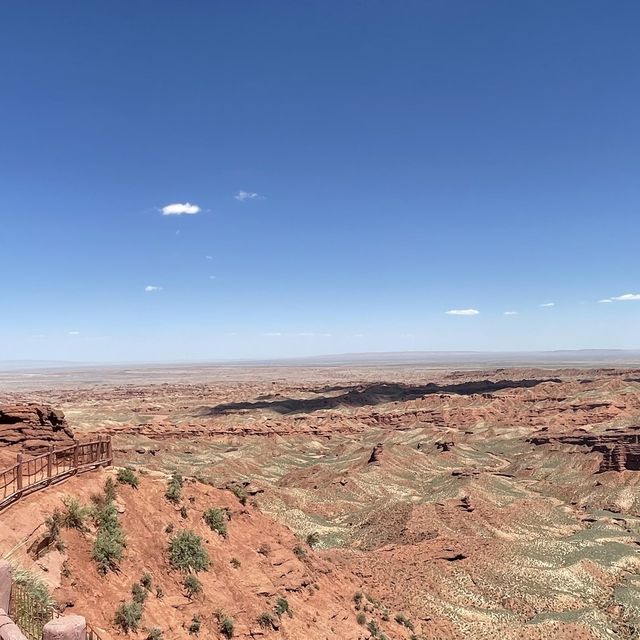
26, 476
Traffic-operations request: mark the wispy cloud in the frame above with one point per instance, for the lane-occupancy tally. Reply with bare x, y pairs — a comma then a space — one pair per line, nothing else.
511, 313
208, 257
626, 297
242, 196
150, 288
180, 209
548, 305
272, 334
462, 312
605, 301
73, 333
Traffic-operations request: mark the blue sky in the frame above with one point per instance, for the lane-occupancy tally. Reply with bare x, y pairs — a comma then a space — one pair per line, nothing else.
407, 159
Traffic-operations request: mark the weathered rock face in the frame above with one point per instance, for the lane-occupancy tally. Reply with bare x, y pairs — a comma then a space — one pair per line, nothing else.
33, 426
620, 449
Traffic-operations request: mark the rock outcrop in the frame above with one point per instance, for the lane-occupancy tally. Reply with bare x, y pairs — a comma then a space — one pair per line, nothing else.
33, 426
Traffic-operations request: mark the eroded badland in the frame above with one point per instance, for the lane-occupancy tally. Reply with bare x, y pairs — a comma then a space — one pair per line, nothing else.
502, 503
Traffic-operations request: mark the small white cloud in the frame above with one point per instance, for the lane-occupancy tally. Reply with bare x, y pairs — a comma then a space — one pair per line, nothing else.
462, 312
605, 301
150, 288
73, 333
208, 257
242, 196
548, 305
178, 209
511, 313
626, 297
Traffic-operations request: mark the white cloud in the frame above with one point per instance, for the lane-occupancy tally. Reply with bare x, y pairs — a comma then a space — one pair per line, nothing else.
626, 297
150, 288
462, 312
74, 333
548, 305
247, 195
178, 209
605, 301
511, 313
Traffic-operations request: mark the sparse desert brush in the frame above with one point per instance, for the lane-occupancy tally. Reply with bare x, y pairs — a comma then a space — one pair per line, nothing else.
54, 524
282, 607
154, 634
110, 542
300, 552
139, 593
358, 596
186, 552
217, 520
192, 585
241, 493
183, 512
174, 488
34, 586
401, 619
194, 627
264, 549
226, 626
266, 620
235, 563
128, 476
146, 581
361, 618
76, 515
313, 539
128, 616
159, 592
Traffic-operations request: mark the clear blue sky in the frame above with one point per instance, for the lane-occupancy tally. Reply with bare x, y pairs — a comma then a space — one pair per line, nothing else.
358, 168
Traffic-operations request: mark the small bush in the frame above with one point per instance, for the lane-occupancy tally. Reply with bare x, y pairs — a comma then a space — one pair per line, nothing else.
300, 552
235, 563
226, 626
139, 593
186, 552
401, 619
361, 618
159, 592
109, 546
128, 476
76, 515
169, 528
109, 490
241, 493
174, 488
358, 596
154, 634
128, 616
34, 586
264, 549
194, 627
373, 628
192, 585
146, 581
183, 512
266, 620
217, 520
282, 606
54, 524
313, 539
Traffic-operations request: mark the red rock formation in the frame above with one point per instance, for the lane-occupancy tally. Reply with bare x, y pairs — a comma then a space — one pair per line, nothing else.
33, 426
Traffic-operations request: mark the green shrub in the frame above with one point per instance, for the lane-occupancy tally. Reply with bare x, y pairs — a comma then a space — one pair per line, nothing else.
174, 488
186, 552
282, 606
54, 524
241, 493
139, 593
313, 539
401, 619
128, 476
192, 585
361, 618
76, 515
146, 581
217, 520
34, 586
109, 490
235, 563
300, 552
373, 628
266, 620
110, 542
357, 598
154, 634
194, 627
128, 616
226, 626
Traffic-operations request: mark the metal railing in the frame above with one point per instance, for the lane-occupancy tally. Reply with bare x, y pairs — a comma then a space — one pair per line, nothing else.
31, 474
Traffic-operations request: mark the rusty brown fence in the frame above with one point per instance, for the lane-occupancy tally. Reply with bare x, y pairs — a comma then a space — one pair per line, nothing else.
31, 474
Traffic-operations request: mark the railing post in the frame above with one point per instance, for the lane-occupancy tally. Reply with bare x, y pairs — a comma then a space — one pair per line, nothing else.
76, 455
109, 451
50, 463
19, 474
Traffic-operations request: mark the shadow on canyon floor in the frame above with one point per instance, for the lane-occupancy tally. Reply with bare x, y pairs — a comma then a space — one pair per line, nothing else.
367, 395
